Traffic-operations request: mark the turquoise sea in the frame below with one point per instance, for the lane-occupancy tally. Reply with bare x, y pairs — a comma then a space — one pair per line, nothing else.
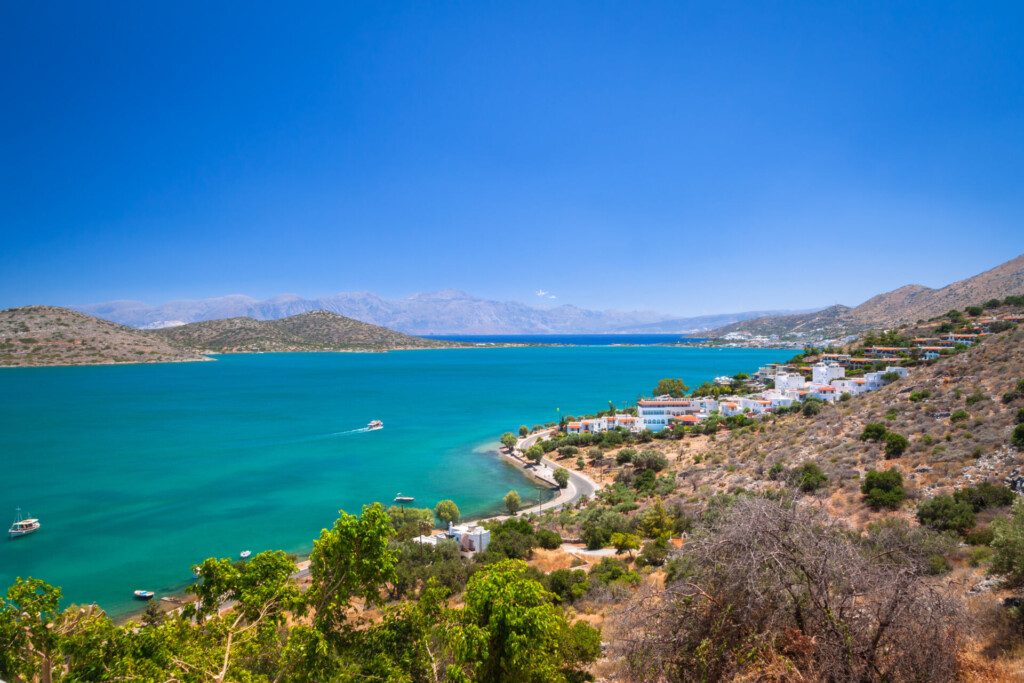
139, 471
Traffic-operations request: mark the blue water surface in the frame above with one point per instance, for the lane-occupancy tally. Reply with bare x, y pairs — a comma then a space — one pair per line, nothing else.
139, 471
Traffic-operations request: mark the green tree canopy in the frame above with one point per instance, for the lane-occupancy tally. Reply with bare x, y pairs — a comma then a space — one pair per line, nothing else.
447, 511
673, 387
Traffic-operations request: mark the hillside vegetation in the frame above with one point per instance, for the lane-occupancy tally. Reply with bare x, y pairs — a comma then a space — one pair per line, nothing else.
901, 306
313, 331
47, 335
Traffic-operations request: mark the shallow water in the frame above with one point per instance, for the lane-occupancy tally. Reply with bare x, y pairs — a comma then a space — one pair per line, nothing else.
138, 472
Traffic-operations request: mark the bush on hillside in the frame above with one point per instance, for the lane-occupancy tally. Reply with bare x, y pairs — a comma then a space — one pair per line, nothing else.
883, 489
895, 444
1017, 438
946, 513
986, 495
548, 539
873, 431
808, 477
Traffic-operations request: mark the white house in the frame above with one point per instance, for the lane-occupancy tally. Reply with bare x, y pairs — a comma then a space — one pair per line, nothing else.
655, 414
824, 373
789, 380
826, 392
470, 537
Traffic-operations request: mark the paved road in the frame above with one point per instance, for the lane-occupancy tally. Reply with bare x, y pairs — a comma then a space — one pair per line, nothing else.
580, 485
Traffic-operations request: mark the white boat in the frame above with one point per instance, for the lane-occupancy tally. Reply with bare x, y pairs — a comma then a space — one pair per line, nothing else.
23, 527
143, 595
375, 424
244, 554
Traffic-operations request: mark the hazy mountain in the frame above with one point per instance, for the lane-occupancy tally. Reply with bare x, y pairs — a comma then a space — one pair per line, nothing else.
312, 331
446, 311
904, 305
702, 323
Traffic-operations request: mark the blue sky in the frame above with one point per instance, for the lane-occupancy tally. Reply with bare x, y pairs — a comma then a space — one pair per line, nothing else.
618, 155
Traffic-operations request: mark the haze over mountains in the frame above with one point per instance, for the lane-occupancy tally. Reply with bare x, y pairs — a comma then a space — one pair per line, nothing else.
442, 312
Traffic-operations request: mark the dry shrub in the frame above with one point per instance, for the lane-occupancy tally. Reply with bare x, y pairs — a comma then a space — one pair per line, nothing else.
767, 583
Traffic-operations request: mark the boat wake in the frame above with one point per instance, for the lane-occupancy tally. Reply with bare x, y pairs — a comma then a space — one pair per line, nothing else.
351, 431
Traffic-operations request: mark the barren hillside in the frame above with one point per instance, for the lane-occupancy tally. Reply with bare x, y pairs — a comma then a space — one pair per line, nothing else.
47, 335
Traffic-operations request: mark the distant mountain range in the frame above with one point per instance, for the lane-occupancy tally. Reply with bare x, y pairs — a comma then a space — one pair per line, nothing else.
901, 306
443, 312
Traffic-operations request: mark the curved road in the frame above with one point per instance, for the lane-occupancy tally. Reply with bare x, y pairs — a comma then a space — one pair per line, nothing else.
579, 485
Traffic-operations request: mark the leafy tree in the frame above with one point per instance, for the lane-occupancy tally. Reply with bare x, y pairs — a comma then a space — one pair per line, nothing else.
562, 477
919, 395
508, 440
895, 444
510, 630
447, 511
410, 522
959, 416
513, 503
625, 542
28, 641
597, 526
654, 553
523, 430
883, 488
1017, 438
672, 387
352, 559
1008, 545
873, 431
946, 513
535, 453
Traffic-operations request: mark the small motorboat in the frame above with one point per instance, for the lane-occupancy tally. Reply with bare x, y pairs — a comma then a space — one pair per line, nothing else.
23, 526
403, 499
374, 424
245, 554
143, 595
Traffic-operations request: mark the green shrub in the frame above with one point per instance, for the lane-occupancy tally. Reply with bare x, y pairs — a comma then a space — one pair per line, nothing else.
980, 535
919, 395
937, 564
809, 477
883, 489
812, 406
979, 556
985, 495
958, 416
548, 539
650, 460
625, 455
1015, 393
1017, 438
873, 431
975, 397
974, 311
946, 513
1020, 416
568, 584
610, 570
654, 554
1008, 545
895, 444
775, 470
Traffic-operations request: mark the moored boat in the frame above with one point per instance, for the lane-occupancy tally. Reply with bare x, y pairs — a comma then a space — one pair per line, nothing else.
23, 526
143, 595
244, 554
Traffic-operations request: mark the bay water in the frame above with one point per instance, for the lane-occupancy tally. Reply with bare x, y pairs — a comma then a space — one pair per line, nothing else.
138, 472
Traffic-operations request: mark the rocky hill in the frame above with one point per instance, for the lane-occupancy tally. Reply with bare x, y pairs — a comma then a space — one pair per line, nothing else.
313, 331
47, 335
901, 306
827, 323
